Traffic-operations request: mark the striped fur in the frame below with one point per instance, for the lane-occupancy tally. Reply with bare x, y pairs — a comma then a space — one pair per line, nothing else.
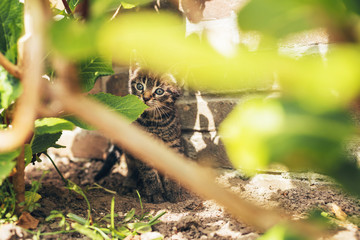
160, 119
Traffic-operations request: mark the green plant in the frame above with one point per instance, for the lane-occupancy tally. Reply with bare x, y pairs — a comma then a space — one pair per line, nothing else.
8, 203
308, 123
46, 130
111, 226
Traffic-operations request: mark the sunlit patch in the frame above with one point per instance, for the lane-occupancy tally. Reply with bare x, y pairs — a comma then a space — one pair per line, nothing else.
246, 129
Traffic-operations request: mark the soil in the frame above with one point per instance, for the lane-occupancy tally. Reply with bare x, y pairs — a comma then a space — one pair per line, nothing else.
194, 218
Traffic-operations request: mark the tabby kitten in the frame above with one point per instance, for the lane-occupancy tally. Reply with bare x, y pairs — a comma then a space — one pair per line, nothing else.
159, 92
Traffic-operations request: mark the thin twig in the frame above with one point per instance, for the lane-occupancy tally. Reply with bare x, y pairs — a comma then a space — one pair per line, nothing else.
67, 7
56, 168
116, 13
10, 67
190, 175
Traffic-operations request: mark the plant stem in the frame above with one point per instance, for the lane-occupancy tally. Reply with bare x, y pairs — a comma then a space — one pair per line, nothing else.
58, 171
67, 7
9, 66
19, 182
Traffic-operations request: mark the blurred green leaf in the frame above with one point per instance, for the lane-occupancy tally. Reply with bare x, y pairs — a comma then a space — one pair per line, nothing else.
260, 132
281, 17
75, 40
128, 4
10, 88
352, 5
198, 63
11, 17
323, 85
282, 232
52, 125
7, 163
93, 68
73, 3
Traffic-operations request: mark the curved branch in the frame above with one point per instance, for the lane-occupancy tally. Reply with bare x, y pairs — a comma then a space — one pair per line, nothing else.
9, 66
31, 54
192, 176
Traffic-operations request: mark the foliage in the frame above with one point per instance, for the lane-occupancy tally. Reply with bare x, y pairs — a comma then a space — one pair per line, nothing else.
8, 200
11, 25
129, 106
304, 129
105, 227
7, 203
32, 196
48, 130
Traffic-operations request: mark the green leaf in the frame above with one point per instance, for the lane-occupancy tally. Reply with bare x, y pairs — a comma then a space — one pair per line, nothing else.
129, 106
281, 17
40, 143
11, 25
86, 231
133, 3
352, 5
206, 69
73, 4
74, 40
141, 227
77, 218
129, 215
282, 232
7, 163
77, 122
93, 68
31, 197
27, 154
258, 133
52, 125
10, 88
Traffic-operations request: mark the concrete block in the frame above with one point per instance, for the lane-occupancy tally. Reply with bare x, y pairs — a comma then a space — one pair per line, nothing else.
206, 148
82, 144
117, 84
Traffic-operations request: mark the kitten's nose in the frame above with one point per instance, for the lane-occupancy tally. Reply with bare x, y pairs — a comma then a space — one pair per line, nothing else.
147, 96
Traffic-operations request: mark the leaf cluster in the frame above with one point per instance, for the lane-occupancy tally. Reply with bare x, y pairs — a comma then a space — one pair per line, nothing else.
90, 66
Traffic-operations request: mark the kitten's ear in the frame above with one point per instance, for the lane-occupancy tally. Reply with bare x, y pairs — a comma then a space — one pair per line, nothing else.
176, 90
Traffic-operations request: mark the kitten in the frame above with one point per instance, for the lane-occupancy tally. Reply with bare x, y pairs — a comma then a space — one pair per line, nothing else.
160, 119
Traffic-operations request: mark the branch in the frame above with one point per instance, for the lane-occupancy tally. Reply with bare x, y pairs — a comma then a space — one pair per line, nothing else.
190, 175
67, 7
9, 66
31, 58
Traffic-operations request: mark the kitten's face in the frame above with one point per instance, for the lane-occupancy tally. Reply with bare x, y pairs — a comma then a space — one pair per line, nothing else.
156, 91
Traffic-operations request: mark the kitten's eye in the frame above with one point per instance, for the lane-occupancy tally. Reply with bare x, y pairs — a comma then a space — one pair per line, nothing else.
159, 91
139, 86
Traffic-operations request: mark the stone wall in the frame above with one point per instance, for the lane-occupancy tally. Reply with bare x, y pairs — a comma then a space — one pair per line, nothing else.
200, 116
200, 113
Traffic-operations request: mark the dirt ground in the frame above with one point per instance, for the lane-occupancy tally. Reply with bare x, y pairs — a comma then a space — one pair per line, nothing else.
194, 218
